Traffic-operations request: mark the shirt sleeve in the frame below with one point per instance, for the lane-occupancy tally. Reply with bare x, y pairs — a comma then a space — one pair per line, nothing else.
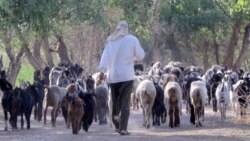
139, 52
104, 60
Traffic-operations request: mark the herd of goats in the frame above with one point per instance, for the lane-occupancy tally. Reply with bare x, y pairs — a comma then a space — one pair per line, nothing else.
159, 91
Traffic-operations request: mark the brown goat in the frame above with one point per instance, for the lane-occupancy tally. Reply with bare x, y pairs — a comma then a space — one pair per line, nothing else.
71, 90
75, 113
173, 97
174, 119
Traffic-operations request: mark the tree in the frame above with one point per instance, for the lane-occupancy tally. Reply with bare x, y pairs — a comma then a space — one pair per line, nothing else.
238, 13
184, 18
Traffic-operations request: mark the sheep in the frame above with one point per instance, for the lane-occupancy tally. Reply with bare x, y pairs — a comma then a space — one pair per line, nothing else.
146, 93
75, 113
198, 96
172, 100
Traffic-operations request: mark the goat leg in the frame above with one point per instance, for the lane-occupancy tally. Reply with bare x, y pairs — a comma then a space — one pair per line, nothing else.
6, 120
44, 115
22, 122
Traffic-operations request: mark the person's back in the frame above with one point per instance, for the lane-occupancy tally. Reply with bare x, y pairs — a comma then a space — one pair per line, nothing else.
121, 58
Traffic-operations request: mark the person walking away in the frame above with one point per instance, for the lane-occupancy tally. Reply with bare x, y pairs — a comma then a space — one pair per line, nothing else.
117, 60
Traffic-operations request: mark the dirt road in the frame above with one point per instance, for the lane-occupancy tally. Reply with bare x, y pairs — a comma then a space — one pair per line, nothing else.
212, 130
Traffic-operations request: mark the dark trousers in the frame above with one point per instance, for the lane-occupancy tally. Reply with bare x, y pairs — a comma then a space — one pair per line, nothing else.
120, 93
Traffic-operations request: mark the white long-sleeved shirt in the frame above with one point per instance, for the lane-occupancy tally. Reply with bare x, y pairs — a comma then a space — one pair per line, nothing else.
118, 58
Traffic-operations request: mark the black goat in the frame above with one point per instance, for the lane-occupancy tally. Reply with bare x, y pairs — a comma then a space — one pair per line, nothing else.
7, 90
89, 107
159, 110
22, 104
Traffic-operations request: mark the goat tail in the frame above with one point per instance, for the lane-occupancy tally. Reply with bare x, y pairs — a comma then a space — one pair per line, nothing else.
198, 93
195, 93
197, 98
173, 98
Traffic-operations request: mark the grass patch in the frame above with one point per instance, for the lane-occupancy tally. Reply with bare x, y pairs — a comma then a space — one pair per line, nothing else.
26, 73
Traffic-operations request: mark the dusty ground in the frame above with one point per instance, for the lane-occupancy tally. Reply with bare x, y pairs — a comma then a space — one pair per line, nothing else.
212, 130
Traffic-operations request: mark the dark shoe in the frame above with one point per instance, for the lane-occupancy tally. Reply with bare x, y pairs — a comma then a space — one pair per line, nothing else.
118, 131
123, 132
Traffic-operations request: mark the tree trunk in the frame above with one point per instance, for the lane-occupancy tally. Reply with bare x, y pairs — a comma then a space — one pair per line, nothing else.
216, 49
205, 54
247, 64
175, 51
14, 68
1, 62
191, 58
245, 48
48, 56
154, 41
35, 61
229, 56
36, 48
62, 51
15, 61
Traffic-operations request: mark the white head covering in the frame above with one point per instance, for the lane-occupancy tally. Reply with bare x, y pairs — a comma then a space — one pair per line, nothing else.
121, 30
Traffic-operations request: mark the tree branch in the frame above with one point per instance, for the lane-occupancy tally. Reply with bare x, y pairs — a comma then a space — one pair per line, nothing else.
224, 11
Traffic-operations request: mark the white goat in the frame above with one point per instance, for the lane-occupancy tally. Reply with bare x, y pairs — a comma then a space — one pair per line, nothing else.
222, 96
234, 96
134, 98
146, 93
198, 96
